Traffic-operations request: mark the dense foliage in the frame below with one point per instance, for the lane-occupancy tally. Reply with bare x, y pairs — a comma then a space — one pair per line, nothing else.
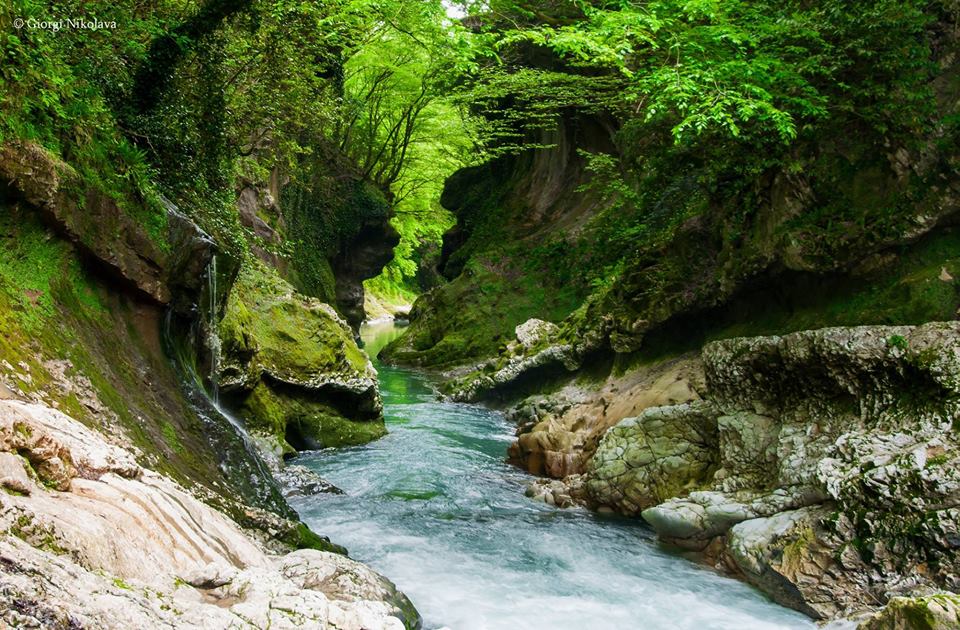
191, 99
714, 142
719, 92
194, 98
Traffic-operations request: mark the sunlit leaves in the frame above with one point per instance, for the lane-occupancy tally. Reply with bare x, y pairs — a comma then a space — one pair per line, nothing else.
759, 68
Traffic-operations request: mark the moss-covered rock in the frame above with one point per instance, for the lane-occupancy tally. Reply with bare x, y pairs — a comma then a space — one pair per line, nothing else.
338, 228
933, 612
134, 250
305, 421
290, 363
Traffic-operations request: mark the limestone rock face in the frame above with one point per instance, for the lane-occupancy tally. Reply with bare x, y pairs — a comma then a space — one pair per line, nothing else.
659, 454
164, 265
792, 557
558, 434
294, 367
104, 543
832, 475
191, 250
516, 367
535, 331
370, 249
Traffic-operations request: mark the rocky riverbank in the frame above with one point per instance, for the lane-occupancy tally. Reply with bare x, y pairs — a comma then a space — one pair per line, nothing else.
821, 466
96, 540
132, 495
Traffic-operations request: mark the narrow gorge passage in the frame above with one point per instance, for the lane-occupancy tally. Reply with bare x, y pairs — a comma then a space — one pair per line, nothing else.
434, 506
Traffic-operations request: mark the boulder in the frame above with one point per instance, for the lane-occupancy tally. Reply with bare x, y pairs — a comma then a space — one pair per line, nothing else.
534, 332
940, 611
794, 559
292, 367
662, 453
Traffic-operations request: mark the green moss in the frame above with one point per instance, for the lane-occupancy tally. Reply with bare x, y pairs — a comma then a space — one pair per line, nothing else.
914, 613
26, 528
795, 551
301, 423
120, 583
265, 412
171, 437
476, 314
302, 537
328, 428
897, 341
287, 331
31, 260
324, 216
938, 460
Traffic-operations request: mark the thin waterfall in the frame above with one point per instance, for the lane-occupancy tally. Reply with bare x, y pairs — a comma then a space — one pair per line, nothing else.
213, 331
213, 344
206, 401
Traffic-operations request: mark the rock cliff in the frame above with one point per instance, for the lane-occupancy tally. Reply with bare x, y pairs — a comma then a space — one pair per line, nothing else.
821, 467
123, 475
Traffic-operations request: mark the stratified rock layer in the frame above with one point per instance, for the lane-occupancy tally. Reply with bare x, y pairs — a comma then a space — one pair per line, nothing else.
153, 249
90, 539
558, 433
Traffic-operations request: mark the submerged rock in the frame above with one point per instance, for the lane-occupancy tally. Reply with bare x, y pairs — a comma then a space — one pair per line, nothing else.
566, 493
295, 480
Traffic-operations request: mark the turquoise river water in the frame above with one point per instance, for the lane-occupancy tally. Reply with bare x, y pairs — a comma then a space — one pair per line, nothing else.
435, 507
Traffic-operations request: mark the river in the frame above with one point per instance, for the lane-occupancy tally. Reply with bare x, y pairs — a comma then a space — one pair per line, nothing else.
434, 506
